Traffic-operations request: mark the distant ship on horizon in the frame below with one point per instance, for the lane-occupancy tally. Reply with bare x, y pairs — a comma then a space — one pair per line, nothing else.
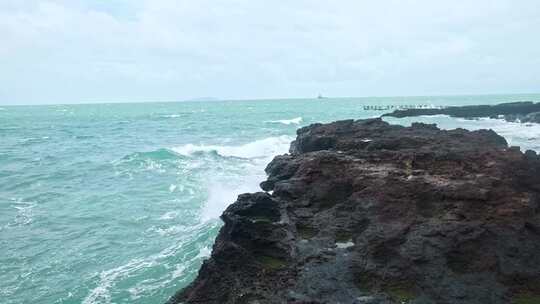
321, 97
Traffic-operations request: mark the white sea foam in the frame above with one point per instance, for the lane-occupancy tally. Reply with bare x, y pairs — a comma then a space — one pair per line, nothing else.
222, 186
25, 212
293, 121
524, 135
169, 215
518, 134
108, 279
433, 116
167, 231
260, 148
204, 253
223, 192
152, 165
178, 271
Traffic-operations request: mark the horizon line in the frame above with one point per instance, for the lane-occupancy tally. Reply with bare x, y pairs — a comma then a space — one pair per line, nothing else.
215, 99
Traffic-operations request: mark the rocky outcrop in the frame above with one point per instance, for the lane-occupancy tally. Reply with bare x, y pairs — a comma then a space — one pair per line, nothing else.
525, 111
368, 212
531, 117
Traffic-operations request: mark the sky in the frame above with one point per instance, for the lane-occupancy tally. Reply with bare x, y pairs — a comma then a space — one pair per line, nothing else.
77, 51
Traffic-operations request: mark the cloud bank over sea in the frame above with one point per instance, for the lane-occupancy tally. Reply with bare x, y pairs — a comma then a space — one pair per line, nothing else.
59, 51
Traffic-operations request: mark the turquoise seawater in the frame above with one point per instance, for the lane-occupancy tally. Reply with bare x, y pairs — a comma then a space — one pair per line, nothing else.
120, 203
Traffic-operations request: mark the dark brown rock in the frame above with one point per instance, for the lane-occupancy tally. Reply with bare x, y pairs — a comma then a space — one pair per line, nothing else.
367, 212
523, 111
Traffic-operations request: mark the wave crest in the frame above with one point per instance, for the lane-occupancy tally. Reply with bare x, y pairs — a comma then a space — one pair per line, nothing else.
292, 121
257, 149
160, 154
223, 186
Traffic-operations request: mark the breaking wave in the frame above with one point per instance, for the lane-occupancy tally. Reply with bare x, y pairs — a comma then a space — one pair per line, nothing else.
226, 180
293, 121
267, 147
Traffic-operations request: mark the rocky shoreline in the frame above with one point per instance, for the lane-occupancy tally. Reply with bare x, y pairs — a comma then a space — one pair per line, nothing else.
523, 111
368, 212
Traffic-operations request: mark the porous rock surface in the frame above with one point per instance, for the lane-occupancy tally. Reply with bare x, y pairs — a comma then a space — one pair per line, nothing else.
368, 212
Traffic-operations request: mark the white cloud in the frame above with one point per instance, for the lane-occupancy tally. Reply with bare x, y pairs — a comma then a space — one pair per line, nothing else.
84, 51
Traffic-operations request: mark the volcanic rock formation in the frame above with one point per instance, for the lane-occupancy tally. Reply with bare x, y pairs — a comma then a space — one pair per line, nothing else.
368, 212
524, 111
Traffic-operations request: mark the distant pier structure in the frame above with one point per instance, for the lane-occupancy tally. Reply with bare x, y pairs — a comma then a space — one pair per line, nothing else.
399, 107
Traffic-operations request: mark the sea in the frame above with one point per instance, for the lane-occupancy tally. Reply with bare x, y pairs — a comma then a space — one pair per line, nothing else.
120, 203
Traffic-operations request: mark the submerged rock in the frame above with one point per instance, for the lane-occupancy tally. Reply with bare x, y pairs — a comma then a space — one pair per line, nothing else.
368, 212
524, 111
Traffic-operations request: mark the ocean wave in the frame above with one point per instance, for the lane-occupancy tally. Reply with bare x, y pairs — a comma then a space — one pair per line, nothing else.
169, 215
170, 116
189, 156
515, 133
34, 140
107, 280
159, 154
293, 121
260, 148
24, 215
222, 192
159, 161
224, 183
222, 173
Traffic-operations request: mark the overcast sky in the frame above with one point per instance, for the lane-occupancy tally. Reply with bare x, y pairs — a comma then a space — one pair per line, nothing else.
72, 51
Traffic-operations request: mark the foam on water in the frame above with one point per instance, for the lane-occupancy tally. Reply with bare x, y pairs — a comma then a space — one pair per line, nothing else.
292, 121
169, 215
126, 201
108, 279
221, 193
526, 136
170, 116
224, 187
267, 147
25, 213
237, 169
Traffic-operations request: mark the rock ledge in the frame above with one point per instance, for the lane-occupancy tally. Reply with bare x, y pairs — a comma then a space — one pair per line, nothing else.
522, 111
368, 212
